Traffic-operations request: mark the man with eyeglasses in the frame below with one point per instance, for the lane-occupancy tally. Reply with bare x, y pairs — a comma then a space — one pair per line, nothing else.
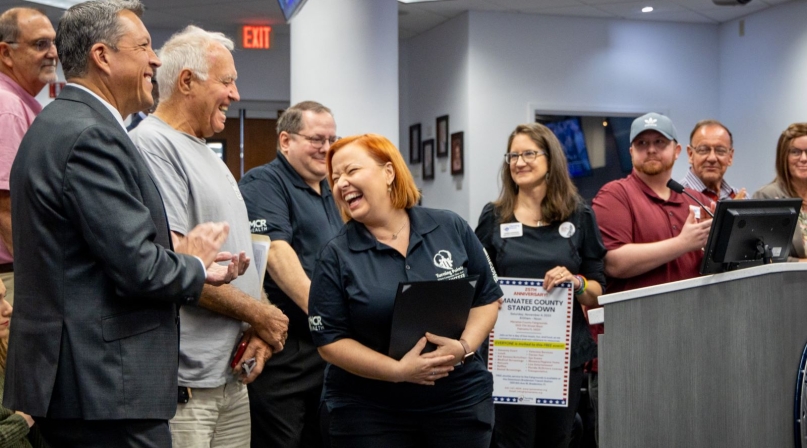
651, 232
289, 200
711, 153
27, 63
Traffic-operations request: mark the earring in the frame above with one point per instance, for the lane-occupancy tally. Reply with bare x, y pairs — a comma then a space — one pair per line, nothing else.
389, 189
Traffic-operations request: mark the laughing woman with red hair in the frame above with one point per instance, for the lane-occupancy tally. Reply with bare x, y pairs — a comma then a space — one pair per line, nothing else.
438, 399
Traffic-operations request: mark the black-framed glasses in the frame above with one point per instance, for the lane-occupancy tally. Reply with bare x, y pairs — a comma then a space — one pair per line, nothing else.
796, 153
39, 45
317, 141
705, 150
528, 156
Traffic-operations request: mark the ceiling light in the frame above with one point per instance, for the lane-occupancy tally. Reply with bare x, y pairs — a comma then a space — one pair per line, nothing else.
63, 4
417, 1
647, 9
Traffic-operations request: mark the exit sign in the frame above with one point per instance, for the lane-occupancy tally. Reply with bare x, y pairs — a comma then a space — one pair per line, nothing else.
256, 37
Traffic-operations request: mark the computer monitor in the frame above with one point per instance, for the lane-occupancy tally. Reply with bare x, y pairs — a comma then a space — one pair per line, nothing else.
750, 232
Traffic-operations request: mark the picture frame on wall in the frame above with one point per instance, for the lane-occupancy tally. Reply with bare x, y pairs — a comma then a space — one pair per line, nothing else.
457, 153
428, 159
442, 136
414, 144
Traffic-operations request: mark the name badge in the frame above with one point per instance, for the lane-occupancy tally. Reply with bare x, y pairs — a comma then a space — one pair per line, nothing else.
511, 230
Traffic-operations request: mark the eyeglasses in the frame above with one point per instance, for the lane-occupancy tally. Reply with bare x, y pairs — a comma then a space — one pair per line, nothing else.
40, 45
705, 150
317, 141
796, 153
528, 156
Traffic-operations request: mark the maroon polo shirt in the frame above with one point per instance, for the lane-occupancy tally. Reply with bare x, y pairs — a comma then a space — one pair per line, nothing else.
628, 211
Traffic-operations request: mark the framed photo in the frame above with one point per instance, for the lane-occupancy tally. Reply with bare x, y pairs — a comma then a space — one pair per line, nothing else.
414, 143
428, 159
457, 153
442, 136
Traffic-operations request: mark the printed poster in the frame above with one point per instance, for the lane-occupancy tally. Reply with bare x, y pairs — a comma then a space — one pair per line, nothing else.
530, 346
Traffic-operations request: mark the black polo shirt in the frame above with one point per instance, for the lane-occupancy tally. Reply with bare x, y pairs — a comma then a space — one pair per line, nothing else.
281, 205
353, 294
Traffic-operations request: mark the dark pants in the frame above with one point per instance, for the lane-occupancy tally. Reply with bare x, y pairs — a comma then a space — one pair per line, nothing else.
75, 433
284, 400
357, 426
538, 426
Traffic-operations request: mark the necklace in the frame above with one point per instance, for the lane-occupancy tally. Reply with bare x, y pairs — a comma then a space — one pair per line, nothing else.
395, 235
540, 223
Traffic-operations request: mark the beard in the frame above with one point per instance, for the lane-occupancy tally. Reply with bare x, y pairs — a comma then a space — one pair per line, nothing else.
653, 167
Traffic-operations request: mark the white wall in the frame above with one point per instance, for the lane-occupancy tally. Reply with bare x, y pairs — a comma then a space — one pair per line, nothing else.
763, 87
435, 82
514, 63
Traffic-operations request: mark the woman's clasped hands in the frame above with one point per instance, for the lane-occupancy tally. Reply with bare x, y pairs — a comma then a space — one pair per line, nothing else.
426, 368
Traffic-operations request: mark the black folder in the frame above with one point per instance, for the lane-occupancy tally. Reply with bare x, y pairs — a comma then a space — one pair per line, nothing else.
439, 307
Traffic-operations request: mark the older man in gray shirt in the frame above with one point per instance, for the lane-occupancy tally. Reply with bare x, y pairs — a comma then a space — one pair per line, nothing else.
197, 85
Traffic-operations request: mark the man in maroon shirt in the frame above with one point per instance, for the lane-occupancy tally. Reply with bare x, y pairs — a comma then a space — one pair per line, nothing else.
651, 234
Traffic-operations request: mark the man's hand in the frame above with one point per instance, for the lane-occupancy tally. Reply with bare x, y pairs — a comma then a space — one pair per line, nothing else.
271, 325
742, 194
257, 349
694, 234
204, 241
218, 274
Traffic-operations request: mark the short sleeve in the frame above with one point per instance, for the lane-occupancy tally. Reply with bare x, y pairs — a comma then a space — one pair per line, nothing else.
268, 206
592, 249
479, 264
328, 312
13, 128
613, 216
484, 230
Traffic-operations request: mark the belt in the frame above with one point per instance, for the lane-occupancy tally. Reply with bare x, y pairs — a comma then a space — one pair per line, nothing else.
6, 268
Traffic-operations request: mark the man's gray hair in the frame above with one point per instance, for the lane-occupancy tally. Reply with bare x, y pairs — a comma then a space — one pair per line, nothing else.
10, 23
87, 24
187, 49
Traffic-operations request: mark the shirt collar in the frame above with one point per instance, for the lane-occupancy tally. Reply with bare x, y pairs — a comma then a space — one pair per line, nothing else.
298, 181
115, 113
420, 223
21, 93
694, 182
675, 198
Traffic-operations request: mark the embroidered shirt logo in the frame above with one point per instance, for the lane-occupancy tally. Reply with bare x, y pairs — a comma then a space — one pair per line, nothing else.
258, 226
443, 260
650, 122
315, 323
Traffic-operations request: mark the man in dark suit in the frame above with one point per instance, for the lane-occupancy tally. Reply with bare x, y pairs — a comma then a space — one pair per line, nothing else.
93, 350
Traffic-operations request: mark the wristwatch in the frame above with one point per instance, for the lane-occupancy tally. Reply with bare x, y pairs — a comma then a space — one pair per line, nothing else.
468, 353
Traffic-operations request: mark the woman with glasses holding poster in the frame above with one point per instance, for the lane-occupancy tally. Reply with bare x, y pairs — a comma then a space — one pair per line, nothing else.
551, 235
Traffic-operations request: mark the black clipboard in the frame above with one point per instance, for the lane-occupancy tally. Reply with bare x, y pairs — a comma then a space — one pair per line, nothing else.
439, 307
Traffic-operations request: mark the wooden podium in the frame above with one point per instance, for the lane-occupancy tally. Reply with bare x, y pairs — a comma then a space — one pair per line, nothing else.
706, 362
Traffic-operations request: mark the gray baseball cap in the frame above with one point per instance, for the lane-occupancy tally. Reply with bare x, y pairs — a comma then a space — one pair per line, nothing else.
653, 122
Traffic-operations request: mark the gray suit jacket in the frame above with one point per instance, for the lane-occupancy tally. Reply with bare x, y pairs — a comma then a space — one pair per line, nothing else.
94, 333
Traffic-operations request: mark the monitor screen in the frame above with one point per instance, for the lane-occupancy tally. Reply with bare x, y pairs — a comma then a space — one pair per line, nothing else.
290, 7
570, 133
750, 232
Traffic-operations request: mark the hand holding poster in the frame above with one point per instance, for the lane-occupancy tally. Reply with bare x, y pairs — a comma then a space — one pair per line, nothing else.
530, 345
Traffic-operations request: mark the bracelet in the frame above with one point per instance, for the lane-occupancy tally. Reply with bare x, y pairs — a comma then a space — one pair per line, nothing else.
583, 285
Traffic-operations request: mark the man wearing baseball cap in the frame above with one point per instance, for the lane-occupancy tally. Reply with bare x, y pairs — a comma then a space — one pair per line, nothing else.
651, 234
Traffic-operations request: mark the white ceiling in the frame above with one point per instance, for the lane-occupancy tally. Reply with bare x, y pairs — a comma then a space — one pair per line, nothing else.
416, 18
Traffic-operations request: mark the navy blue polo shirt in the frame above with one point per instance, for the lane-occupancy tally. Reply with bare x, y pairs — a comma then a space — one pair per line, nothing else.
353, 294
281, 205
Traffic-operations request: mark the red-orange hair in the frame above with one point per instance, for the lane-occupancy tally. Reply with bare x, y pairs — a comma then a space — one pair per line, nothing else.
404, 192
